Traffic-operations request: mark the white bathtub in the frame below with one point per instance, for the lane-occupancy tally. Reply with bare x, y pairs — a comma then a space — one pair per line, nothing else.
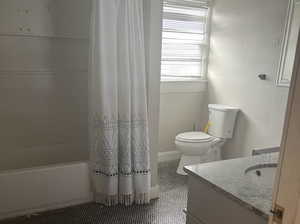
28, 191
38, 189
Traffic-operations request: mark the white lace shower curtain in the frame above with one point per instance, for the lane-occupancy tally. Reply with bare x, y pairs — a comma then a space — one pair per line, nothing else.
118, 107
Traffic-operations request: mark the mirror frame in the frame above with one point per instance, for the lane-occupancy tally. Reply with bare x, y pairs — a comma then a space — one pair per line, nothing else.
287, 30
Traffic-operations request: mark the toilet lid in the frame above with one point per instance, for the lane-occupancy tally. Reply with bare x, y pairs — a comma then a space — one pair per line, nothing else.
193, 137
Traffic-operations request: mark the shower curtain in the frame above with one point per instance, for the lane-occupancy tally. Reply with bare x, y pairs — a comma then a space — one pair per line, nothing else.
119, 139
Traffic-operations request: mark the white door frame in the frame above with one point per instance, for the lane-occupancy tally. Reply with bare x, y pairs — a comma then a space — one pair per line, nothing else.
287, 183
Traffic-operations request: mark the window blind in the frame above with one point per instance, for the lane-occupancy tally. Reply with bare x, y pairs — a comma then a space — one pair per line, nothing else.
184, 39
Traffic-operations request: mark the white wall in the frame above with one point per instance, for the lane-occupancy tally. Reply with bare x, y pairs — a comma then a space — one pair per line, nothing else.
245, 41
182, 107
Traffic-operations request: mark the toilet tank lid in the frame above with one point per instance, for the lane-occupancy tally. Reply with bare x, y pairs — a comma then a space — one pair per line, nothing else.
222, 107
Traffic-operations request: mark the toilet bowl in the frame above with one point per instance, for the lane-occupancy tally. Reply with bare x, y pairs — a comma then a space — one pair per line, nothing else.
197, 147
200, 147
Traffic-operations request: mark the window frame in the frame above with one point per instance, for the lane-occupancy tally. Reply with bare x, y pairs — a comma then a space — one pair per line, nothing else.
207, 4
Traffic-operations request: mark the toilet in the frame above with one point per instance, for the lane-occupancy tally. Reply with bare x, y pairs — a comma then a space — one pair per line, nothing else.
201, 147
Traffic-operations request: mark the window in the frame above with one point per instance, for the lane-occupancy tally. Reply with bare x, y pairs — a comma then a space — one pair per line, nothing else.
184, 39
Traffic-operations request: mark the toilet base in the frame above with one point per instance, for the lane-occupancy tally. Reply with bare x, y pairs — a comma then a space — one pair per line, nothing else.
186, 160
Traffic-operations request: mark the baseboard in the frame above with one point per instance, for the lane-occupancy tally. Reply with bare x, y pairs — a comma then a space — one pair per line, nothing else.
31, 191
168, 156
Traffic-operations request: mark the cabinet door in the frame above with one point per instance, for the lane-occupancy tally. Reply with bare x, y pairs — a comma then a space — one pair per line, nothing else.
212, 206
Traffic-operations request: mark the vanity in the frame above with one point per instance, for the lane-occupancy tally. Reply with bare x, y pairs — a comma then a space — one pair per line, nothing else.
231, 191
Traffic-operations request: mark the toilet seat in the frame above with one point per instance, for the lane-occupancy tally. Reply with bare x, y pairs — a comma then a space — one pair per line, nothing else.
194, 137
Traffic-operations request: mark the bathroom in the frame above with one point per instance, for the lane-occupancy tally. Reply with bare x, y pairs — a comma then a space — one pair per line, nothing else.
46, 54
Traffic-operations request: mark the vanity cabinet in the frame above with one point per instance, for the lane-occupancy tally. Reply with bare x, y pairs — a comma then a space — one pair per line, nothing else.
208, 205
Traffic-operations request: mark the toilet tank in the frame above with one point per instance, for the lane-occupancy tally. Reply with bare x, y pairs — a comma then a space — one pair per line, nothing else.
221, 120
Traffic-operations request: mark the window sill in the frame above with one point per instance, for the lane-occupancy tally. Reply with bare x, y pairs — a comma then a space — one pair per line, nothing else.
183, 86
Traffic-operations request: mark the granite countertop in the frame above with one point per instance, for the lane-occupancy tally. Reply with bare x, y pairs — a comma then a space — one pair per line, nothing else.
229, 177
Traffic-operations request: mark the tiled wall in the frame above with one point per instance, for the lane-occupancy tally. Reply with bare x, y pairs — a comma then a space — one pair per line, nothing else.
43, 82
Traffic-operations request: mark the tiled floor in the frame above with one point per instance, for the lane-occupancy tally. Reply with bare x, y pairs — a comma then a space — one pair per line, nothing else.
166, 210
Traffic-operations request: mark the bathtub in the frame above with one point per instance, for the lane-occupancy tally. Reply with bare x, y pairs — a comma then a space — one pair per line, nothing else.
38, 189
